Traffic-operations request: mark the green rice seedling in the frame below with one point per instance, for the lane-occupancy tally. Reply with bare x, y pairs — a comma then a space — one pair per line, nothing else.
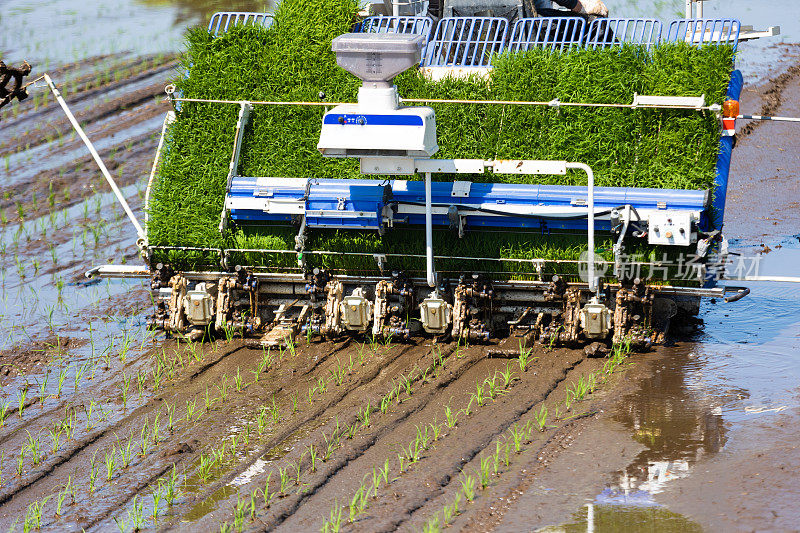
376, 480
62, 376
223, 388
432, 525
297, 466
62, 496
451, 417
293, 397
55, 438
364, 414
191, 407
157, 495
4, 410
351, 430
89, 414
261, 419
238, 381
23, 393
155, 429
238, 514
517, 435
33, 445
401, 459
451, 511
208, 400
284, 475
136, 514
334, 522
170, 486
541, 417
524, 356
407, 382
492, 387
311, 391
422, 437
468, 485
124, 386
338, 372
436, 430
111, 463
507, 375
312, 452
478, 394
274, 410
43, 387
204, 468
291, 346
126, 453
21, 461
322, 387
484, 473
265, 493
385, 403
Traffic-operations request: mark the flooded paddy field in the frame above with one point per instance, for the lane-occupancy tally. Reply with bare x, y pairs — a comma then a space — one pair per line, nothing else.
105, 425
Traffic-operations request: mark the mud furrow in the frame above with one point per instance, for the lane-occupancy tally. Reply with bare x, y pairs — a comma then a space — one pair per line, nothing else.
443, 473
357, 451
287, 431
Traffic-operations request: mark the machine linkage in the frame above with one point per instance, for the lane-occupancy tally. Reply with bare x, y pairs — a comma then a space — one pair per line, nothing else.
473, 308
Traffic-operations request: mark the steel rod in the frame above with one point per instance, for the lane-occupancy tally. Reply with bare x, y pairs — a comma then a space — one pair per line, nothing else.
95, 155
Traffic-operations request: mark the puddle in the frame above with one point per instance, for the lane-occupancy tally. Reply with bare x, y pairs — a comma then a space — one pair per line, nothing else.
600, 517
709, 401
87, 28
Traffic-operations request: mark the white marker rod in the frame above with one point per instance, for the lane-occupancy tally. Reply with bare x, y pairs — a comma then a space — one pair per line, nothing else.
95, 155
774, 119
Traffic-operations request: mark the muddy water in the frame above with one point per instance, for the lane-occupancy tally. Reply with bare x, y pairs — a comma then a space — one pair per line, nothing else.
88, 28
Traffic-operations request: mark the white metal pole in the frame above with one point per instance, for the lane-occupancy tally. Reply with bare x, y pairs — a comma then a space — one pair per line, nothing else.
429, 231
590, 218
699, 8
688, 9
96, 156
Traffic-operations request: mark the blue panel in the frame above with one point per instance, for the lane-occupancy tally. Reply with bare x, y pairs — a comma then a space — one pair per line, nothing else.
618, 31
373, 120
358, 204
466, 42
724, 158
702, 32
562, 33
220, 22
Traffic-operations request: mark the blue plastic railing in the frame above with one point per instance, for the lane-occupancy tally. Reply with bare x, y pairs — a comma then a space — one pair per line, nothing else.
466, 42
407, 25
563, 33
220, 22
617, 31
701, 32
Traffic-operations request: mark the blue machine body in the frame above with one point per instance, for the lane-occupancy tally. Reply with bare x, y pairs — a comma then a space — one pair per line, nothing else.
376, 204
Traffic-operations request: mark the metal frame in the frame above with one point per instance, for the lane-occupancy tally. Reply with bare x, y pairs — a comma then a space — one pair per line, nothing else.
563, 33
466, 42
702, 32
640, 31
223, 20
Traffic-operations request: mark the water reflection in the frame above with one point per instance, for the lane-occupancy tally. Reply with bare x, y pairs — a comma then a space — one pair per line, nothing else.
597, 518
191, 12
